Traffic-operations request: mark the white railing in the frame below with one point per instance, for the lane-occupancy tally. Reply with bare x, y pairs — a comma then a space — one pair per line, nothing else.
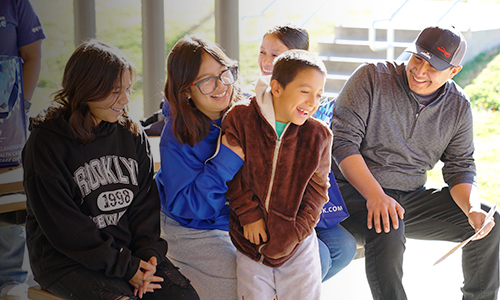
449, 9
389, 44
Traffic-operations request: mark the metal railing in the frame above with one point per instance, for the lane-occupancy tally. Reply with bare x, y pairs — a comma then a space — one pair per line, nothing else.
268, 7
449, 9
389, 44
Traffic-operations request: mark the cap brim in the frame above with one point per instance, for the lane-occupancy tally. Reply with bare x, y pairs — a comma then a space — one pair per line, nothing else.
432, 59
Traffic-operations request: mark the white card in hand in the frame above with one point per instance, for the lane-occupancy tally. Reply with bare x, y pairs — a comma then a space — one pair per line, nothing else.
462, 244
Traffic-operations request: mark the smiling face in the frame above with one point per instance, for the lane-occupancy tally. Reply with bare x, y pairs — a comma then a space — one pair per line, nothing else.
423, 78
300, 98
111, 107
214, 103
270, 48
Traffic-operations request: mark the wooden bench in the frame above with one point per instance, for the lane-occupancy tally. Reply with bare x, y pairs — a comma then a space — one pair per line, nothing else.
12, 196
13, 200
37, 293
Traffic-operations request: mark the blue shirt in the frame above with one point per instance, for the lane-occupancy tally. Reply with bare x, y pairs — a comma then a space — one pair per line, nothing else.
19, 26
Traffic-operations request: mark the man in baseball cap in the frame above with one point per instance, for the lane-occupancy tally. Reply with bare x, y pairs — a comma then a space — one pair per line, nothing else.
443, 48
391, 124
437, 55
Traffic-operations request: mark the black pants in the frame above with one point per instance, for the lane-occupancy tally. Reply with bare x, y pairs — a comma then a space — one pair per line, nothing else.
429, 215
84, 284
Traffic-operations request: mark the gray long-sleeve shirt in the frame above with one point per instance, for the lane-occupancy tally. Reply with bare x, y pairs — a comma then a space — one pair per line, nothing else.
377, 115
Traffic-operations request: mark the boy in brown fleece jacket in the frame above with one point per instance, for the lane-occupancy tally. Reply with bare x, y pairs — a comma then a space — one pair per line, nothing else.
277, 196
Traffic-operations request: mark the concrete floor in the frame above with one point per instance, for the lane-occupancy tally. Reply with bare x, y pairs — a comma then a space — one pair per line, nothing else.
422, 280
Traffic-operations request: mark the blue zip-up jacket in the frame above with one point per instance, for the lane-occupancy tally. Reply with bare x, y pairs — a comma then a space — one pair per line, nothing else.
192, 180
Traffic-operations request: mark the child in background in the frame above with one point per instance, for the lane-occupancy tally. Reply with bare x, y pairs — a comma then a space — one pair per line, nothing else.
277, 196
274, 42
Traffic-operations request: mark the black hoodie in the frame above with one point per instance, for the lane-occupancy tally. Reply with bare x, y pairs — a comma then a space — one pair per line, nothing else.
95, 205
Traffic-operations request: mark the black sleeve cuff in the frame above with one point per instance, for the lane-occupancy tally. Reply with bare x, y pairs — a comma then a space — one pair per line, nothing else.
133, 266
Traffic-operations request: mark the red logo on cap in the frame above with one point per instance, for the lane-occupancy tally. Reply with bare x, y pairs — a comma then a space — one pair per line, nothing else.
442, 49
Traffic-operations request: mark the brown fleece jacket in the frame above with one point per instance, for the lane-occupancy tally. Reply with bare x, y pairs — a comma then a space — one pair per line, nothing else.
288, 191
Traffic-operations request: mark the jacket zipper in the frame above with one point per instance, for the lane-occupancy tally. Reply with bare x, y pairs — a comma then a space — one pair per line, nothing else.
273, 173
416, 116
419, 110
414, 124
217, 146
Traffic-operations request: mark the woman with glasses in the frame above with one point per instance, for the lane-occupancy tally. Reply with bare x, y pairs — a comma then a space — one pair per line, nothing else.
201, 85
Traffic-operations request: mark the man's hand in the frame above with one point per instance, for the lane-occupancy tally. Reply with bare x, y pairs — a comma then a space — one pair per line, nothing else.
476, 220
255, 231
382, 209
380, 206
466, 197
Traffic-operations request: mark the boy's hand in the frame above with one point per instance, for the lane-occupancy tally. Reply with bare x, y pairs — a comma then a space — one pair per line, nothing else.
235, 149
255, 231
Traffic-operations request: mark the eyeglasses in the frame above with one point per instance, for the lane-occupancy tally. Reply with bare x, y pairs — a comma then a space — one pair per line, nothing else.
208, 85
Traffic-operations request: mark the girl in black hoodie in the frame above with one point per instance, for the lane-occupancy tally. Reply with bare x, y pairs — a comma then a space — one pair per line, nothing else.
93, 225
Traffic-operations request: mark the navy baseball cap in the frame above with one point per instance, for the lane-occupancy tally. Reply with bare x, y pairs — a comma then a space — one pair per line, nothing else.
441, 47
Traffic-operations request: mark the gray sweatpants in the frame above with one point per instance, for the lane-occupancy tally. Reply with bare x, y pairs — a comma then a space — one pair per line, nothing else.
206, 257
298, 278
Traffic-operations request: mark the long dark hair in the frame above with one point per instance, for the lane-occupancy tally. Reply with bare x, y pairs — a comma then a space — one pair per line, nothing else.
91, 74
190, 125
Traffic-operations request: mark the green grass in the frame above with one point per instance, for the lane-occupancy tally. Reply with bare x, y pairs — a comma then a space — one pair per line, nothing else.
480, 79
472, 69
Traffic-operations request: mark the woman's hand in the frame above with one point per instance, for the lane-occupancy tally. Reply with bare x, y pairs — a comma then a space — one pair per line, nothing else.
143, 280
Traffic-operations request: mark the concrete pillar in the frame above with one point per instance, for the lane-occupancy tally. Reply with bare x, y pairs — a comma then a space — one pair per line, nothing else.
85, 24
153, 54
227, 27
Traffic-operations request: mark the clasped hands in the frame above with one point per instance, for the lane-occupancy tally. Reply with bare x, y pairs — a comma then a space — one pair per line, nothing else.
144, 279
